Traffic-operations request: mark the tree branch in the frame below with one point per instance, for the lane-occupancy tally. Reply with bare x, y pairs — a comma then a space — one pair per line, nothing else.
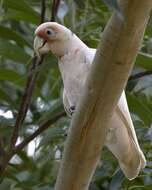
28, 91
26, 99
140, 75
42, 128
27, 95
33, 74
112, 65
31, 80
2, 151
43, 10
55, 7
25, 103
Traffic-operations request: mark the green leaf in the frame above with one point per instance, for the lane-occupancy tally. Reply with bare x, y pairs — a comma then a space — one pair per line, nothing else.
144, 60
13, 52
22, 7
51, 135
8, 33
12, 76
46, 187
6, 122
5, 184
138, 105
9, 75
113, 5
4, 97
148, 30
93, 187
19, 16
117, 180
137, 187
26, 184
56, 107
10, 175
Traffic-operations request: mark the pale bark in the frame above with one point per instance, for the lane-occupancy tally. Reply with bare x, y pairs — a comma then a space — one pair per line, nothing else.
112, 65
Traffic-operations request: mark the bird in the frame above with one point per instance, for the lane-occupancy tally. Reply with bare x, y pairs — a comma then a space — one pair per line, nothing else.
75, 60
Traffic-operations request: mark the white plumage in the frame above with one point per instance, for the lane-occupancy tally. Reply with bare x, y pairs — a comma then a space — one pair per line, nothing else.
75, 60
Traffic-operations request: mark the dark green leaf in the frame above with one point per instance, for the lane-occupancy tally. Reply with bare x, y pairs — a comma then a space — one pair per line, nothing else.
20, 16
52, 134
137, 106
117, 180
13, 52
56, 107
113, 5
5, 97
140, 187
144, 60
8, 33
22, 7
9, 75
44, 188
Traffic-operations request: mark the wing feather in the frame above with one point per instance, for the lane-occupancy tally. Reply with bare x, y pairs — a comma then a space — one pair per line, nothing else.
122, 141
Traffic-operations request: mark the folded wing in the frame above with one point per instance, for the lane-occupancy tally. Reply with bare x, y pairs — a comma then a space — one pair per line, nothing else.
122, 141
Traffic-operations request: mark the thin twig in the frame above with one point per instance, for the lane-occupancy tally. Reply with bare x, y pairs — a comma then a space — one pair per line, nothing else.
33, 74
2, 151
55, 7
42, 128
140, 75
43, 10
25, 103
27, 95
26, 99
30, 89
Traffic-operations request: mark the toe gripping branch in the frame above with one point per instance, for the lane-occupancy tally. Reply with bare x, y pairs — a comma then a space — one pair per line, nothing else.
72, 110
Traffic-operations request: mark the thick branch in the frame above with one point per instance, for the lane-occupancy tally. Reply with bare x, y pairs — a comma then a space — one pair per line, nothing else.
112, 65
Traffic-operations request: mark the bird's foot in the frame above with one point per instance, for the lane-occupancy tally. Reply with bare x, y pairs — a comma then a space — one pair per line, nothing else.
72, 110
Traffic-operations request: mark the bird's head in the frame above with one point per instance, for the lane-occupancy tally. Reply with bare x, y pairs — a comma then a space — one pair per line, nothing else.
51, 37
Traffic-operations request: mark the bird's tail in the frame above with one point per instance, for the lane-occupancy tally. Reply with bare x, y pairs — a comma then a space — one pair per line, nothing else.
133, 163
122, 142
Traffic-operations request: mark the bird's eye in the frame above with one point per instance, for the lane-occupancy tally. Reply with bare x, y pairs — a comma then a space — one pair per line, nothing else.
49, 32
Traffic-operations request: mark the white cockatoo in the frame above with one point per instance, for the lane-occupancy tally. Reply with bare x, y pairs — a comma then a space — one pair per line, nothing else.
75, 59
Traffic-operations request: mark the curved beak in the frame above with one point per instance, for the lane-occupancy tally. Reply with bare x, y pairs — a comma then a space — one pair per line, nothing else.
39, 43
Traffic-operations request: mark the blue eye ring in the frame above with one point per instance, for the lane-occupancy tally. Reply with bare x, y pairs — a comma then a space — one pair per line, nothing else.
49, 32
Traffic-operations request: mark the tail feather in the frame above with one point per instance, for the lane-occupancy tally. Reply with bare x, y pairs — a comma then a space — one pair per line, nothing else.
123, 143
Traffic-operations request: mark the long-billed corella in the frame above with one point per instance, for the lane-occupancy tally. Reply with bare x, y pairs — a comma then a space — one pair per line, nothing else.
75, 59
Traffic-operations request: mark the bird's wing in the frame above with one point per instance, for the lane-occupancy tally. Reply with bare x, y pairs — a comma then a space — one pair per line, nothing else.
122, 141
121, 138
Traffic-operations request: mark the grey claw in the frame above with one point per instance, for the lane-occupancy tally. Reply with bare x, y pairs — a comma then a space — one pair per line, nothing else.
71, 110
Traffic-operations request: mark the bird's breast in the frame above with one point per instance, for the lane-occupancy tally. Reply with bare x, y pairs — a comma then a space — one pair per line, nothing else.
74, 73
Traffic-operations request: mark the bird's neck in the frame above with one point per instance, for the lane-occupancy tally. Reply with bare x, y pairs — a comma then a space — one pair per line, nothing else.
76, 43
64, 48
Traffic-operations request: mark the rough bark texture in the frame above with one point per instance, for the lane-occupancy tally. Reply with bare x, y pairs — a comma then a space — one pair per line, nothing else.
112, 65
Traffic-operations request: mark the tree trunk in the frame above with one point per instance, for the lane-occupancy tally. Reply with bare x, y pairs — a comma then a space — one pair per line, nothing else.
113, 63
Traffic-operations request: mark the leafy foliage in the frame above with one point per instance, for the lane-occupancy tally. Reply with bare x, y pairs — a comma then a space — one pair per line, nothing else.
35, 168
112, 4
